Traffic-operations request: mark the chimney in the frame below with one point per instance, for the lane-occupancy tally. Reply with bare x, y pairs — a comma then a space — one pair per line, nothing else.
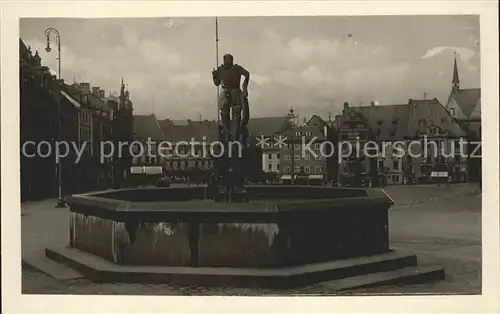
95, 91
346, 107
102, 93
37, 59
85, 87
372, 103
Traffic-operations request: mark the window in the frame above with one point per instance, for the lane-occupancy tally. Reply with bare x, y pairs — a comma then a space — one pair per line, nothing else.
395, 164
395, 179
380, 165
297, 134
287, 157
318, 169
317, 145
297, 169
457, 159
277, 156
287, 169
307, 157
269, 167
278, 167
297, 146
297, 157
270, 156
307, 169
318, 157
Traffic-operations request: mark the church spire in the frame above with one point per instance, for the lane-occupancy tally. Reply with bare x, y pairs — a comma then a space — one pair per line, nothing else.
122, 95
456, 80
122, 88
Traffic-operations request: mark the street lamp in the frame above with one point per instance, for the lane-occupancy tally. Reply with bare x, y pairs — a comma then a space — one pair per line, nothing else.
48, 32
291, 117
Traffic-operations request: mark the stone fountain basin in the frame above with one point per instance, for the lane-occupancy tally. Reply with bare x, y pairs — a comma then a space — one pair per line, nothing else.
281, 226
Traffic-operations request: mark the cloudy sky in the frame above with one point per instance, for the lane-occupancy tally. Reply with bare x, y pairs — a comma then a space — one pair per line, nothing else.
311, 63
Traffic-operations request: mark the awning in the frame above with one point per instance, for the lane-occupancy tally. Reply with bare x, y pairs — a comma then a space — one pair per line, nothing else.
154, 170
70, 99
137, 170
316, 177
286, 177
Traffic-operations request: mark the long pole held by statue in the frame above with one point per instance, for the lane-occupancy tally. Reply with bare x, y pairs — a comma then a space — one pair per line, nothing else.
217, 63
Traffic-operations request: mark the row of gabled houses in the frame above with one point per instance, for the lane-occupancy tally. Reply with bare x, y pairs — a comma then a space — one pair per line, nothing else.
411, 126
53, 111
415, 125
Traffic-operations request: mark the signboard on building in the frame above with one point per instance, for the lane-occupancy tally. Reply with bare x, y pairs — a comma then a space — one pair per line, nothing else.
439, 174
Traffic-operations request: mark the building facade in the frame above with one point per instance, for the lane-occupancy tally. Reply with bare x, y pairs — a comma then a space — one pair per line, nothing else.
353, 129
40, 98
409, 140
188, 153
464, 106
85, 121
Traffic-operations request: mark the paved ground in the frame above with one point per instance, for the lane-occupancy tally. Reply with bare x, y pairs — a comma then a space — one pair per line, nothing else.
442, 225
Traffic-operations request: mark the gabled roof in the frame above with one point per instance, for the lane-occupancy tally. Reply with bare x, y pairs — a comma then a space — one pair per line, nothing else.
397, 122
75, 103
476, 113
467, 100
434, 114
185, 130
317, 121
146, 126
266, 126
387, 122
94, 101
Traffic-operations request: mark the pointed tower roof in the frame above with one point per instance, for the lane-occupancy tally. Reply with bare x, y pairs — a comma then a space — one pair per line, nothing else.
456, 80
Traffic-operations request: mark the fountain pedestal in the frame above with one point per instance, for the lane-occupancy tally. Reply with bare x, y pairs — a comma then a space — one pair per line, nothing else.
283, 229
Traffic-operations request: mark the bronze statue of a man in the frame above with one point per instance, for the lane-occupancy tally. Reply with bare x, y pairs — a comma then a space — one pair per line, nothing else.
233, 104
233, 94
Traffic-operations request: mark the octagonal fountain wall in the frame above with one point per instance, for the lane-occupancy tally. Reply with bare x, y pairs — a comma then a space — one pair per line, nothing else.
280, 226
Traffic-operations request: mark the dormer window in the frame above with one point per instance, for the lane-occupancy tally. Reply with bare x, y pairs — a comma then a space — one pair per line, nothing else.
452, 112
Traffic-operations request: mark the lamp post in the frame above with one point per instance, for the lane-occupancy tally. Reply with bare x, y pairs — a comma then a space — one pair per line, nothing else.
291, 117
48, 32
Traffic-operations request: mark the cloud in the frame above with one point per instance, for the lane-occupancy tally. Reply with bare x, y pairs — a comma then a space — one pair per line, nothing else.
465, 53
173, 22
314, 67
468, 57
